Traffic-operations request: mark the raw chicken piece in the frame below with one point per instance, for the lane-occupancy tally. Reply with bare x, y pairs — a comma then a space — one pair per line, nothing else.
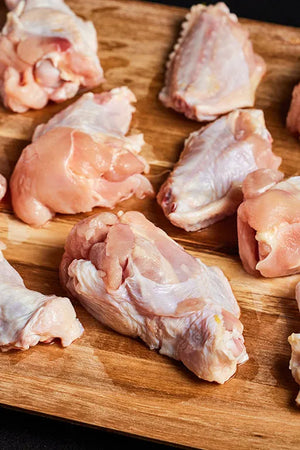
293, 117
294, 340
213, 68
28, 317
298, 295
11, 4
269, 224
205, 185
3, 186
81, 159
46, 53
133, 278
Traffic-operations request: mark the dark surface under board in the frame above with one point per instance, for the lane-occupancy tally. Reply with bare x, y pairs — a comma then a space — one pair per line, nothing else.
21, 430
284, 12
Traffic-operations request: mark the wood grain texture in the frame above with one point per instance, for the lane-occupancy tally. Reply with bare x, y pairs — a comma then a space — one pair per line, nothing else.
115, 382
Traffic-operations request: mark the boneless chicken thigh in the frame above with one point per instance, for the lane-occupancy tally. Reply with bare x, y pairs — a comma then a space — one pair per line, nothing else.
46, 53
28, 317
205, 185
81, 159
135, 279
213, 68
294, 340
269, 224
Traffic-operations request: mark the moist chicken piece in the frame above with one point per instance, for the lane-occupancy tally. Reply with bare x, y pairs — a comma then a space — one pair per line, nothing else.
81, 159
28, 317
46, 53
11, 4
294, 340
3, 186
135, 279
269, 224
205, 185
293, 117
213, 68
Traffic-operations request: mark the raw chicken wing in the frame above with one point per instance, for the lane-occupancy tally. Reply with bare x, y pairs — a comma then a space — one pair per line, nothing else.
28, 317
46, 53
294, 340
213, 68
81, 159
3, 186
269, 224
293, 117
133, 278
205, 185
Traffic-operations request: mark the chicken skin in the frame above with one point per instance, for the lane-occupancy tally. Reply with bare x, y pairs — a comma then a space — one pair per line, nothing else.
135, 279
269, 224
46, 53
28, 317
294, 340
3, 186
213, 69
81, 159
205, 185
293, 117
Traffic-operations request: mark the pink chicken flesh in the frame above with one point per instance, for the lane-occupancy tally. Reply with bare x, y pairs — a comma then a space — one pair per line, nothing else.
135, 279
213, 68
293, 117
205, 185
46, 53
81, 159
3, 186
269, 224
28, 317
294, 340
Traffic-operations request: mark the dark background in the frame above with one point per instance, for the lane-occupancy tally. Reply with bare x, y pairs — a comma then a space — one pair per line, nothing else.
23, 431
285, 12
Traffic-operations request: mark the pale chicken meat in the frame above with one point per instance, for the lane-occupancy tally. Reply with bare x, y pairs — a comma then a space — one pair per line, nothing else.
46, 53
28, 317
213, 68
81, 159
293, 117
269, 224
3, 186
294, 340
205, 185
135, 279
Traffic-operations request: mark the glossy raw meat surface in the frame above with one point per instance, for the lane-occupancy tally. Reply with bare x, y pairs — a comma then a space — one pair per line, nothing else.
294, 341
293, 117
28, 317
213, 68
135, 279
81, 159
269, 224
205, 185
46, 53
3, 186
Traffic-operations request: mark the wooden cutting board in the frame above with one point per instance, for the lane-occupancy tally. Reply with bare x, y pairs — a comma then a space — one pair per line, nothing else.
115, 382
